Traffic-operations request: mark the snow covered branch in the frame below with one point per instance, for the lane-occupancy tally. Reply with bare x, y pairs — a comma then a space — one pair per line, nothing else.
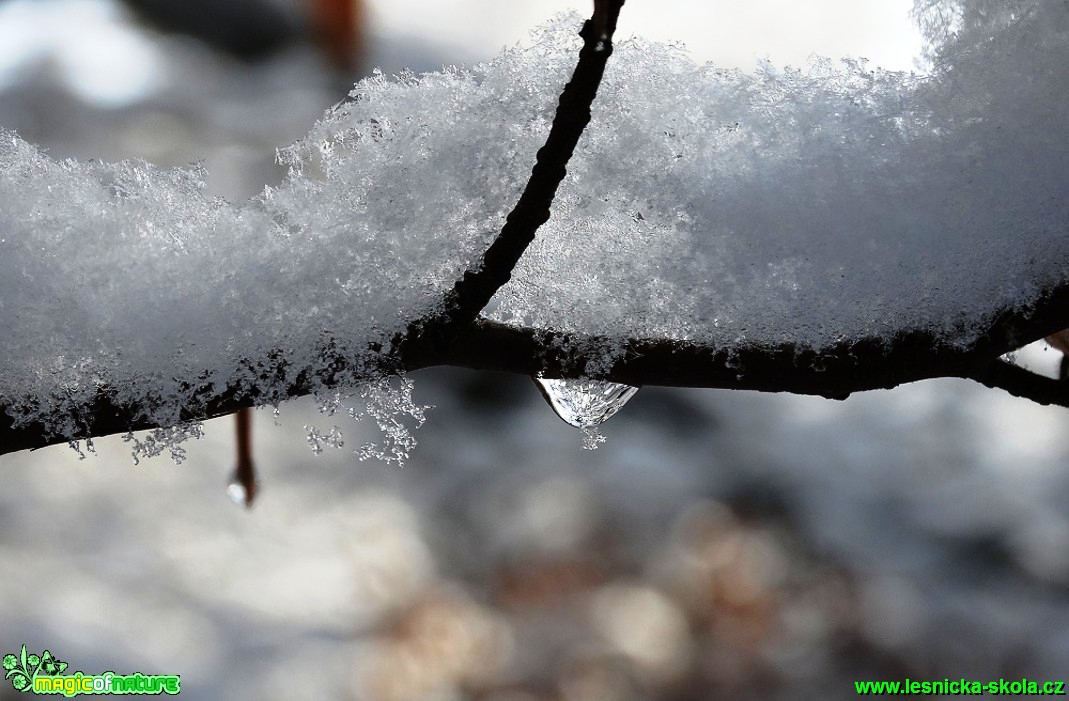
822, 230
425, 339
835, 372
473, 291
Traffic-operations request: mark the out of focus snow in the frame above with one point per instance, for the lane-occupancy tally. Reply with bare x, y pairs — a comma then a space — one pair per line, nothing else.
85, 44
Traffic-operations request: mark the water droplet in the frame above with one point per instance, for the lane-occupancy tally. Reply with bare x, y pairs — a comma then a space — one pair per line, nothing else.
236, 491
242, 489
585, 403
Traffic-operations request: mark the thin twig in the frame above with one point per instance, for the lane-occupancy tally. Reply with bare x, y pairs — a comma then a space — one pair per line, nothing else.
1023, 383
473, 291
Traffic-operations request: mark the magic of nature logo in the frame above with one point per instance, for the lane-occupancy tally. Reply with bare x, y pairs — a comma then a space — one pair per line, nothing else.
45, 674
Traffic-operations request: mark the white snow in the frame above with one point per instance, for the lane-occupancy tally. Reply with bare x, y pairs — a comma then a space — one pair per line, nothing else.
807, 205
786, 205
944, 505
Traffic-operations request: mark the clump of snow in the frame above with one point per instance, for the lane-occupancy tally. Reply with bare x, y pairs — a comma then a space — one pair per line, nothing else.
808, 204
129, 278
390, 404
787, 205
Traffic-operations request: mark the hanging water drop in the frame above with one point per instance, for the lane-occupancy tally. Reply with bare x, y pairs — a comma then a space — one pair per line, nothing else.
236, 491
585, 403
243, 486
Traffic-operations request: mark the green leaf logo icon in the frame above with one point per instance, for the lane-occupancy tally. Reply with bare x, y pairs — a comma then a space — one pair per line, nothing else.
19, 681
22, 669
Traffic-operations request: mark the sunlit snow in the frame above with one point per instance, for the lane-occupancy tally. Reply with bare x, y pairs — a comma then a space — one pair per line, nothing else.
798, 206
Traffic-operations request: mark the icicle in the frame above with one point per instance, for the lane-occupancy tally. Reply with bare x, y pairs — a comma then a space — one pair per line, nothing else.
585, 403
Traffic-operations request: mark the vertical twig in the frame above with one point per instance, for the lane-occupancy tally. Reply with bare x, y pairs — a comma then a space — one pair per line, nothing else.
245, 473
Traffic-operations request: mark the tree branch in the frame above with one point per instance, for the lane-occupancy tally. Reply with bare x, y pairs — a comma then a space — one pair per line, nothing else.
473, 291
424, 341
455, 337
834, 372
1023, 383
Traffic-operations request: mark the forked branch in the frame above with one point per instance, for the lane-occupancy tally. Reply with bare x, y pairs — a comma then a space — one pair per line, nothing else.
457, 337
473, 291
428, 339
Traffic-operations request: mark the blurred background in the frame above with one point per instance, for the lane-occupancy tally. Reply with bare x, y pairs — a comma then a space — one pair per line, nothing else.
718, 544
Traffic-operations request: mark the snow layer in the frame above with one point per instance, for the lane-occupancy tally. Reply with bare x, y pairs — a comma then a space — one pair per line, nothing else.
803, 205
799, 205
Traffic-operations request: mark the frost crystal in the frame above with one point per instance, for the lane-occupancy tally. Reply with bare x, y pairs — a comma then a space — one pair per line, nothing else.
316, 438
787, 205
390, 403
158, 440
